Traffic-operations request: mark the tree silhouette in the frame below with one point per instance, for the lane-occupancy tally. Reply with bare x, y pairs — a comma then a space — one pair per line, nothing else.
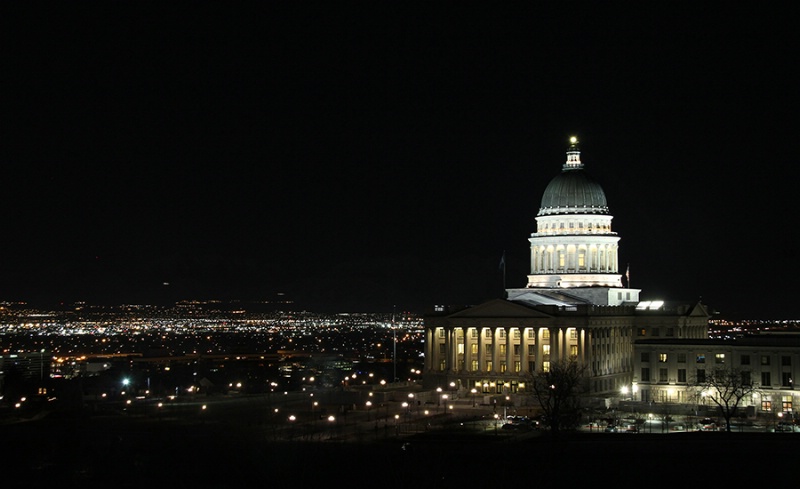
559, 391
726, 388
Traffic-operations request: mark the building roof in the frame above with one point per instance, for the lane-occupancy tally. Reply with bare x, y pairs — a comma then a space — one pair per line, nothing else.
573, 191
760, 340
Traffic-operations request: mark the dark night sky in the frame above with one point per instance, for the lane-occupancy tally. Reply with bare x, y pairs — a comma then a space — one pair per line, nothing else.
363, 156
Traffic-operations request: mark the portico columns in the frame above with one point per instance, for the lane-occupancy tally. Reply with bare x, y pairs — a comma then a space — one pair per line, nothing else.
467, 350
555, 345
523, 350
481, 351
509, 349
494, 350
429, 359
448, 350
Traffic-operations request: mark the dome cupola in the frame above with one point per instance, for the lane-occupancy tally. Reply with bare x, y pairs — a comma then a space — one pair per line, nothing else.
573, 191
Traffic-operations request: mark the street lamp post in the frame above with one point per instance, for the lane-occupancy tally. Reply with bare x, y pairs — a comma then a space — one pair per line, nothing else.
473, 396
41, 367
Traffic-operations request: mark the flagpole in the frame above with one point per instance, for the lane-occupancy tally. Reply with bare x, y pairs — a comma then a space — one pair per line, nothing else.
394, 348
503, 266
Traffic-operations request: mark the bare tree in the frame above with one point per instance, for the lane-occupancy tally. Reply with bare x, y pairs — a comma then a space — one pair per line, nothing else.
559, 391
726, 388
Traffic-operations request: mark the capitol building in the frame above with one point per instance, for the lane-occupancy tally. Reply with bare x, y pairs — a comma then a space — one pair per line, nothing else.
578, 304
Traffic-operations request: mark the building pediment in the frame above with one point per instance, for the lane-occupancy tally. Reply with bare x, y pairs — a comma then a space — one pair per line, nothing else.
499, 308
699, 310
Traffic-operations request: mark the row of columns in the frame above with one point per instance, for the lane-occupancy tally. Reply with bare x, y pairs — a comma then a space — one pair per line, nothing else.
545, 259
559, 342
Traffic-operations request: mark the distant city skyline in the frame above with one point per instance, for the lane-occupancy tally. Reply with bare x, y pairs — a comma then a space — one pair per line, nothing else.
362, 160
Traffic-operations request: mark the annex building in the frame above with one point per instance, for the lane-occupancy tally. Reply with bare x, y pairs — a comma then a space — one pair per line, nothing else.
575, 305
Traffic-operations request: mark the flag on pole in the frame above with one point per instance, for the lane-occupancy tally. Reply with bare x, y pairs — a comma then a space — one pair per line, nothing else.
628, 275
502, 265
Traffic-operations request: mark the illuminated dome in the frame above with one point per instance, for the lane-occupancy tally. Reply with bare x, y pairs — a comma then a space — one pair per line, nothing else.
573, 191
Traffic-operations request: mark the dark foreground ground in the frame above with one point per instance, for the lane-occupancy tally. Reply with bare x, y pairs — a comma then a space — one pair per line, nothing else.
125, 452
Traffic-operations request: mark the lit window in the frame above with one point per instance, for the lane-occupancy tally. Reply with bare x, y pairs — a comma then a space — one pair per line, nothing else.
719, 358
